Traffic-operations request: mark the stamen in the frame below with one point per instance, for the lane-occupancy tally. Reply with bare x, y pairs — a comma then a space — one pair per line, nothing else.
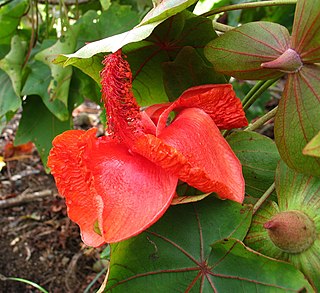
122, 109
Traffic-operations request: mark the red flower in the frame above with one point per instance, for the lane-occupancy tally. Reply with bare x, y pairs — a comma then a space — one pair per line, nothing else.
118, 185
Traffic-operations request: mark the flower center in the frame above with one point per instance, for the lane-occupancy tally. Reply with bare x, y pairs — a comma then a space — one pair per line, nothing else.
123, 112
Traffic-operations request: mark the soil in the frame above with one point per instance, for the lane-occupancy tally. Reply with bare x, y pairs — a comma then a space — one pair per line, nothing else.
38, 242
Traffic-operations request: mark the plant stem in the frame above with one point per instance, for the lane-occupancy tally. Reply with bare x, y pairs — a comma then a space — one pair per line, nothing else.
248, 5
252, 91
221, 27
95, 279
256, 92
263, 198
262, 120
47, 18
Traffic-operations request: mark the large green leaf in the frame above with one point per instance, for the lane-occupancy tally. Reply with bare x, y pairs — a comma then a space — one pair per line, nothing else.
13, 61
140, 32
306, 30
240, 52
39, 125
10, 15
297, 119
187, 70
9, 101
169, 256
296, 192
259, 157
183, 252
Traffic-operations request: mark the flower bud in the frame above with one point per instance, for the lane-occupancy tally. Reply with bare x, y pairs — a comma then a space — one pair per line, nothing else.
291, 231
288, 62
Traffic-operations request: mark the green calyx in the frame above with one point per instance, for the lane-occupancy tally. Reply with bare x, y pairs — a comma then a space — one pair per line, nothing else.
291, 231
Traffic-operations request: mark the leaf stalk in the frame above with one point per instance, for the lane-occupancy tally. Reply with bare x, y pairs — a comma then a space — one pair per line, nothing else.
258, 89
263, 198
262, 120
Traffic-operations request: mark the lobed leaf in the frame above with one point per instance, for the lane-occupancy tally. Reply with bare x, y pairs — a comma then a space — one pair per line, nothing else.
167, 257
59, 84
184, 252
12, 63
38, 82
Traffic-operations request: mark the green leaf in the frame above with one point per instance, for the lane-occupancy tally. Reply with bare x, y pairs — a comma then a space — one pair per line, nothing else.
166, 9
295, 192
235, 266
259, 157
90, 66
111, 44
9, 101
187, 70
170, 255
306, 30
82, 87
117, 19
313, 147
182, 252
13, 61
164, 43
37, 83
240, 52
59, 84
138, 33
297, 119
10, 15
40, 126
197, 32
147, 75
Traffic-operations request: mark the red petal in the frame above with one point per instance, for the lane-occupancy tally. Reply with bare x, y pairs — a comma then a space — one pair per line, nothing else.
134, 192
193, 149
155, 111
71, 181
217, 100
